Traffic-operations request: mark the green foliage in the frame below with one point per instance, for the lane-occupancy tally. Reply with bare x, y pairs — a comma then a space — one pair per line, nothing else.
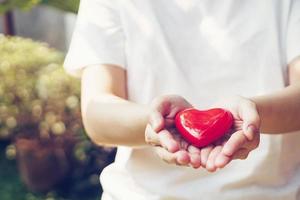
35, 92
66, 5
7, 5
38, 99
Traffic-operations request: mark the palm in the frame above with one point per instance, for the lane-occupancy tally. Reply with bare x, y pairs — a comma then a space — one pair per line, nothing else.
165, 110
239, 141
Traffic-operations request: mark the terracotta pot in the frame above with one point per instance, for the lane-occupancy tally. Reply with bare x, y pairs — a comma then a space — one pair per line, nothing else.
43, 164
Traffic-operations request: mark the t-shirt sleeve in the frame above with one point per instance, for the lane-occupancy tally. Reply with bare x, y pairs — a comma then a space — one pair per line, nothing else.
98, 37
293, 34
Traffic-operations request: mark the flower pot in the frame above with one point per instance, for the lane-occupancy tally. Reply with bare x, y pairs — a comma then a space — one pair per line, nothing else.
43, 164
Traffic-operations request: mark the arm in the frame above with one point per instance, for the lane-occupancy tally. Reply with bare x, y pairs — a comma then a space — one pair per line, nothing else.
280, 112
107, 116
112, 120
275, 113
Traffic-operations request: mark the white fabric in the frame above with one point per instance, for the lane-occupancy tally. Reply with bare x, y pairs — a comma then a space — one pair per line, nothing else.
202, 50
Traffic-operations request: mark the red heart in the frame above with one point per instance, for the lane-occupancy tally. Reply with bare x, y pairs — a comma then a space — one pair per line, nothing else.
201, 128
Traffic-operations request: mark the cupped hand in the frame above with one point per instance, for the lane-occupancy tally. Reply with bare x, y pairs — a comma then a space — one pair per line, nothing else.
162, 134
240, 141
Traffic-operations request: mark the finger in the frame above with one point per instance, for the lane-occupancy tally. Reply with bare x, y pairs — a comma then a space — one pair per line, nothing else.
210, 165
222, 160
183, 157
250, 131
241, 154
204, 154
195, 156
162, 105
168, 141
176, 104
235, 142
151, 137
182, 142
251, 119
193, 149
253, 144
195, 160
166, 156
156, 120
178, 158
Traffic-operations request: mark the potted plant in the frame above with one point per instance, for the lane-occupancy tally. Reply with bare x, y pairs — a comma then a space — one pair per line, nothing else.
40, 113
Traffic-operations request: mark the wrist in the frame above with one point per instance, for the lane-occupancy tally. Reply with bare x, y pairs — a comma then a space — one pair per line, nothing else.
264, 110
259, 102
256, 103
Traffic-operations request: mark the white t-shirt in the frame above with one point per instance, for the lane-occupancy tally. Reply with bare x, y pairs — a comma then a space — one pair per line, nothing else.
200, 49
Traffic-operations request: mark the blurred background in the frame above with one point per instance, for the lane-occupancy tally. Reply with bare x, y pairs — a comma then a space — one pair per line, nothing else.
45, 153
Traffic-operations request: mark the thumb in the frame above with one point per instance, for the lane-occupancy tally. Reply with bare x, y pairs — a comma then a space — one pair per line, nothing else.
251, 120
156, 121
160, 108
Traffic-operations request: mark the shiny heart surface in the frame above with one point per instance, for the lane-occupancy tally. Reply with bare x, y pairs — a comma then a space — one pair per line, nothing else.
201, 128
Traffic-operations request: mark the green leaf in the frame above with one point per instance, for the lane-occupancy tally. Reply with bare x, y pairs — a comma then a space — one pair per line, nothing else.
66, 5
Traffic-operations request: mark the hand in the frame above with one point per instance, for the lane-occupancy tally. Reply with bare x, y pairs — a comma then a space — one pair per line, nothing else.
243, 138
162, 134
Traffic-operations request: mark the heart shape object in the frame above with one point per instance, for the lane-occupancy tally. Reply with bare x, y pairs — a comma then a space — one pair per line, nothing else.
201, 128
